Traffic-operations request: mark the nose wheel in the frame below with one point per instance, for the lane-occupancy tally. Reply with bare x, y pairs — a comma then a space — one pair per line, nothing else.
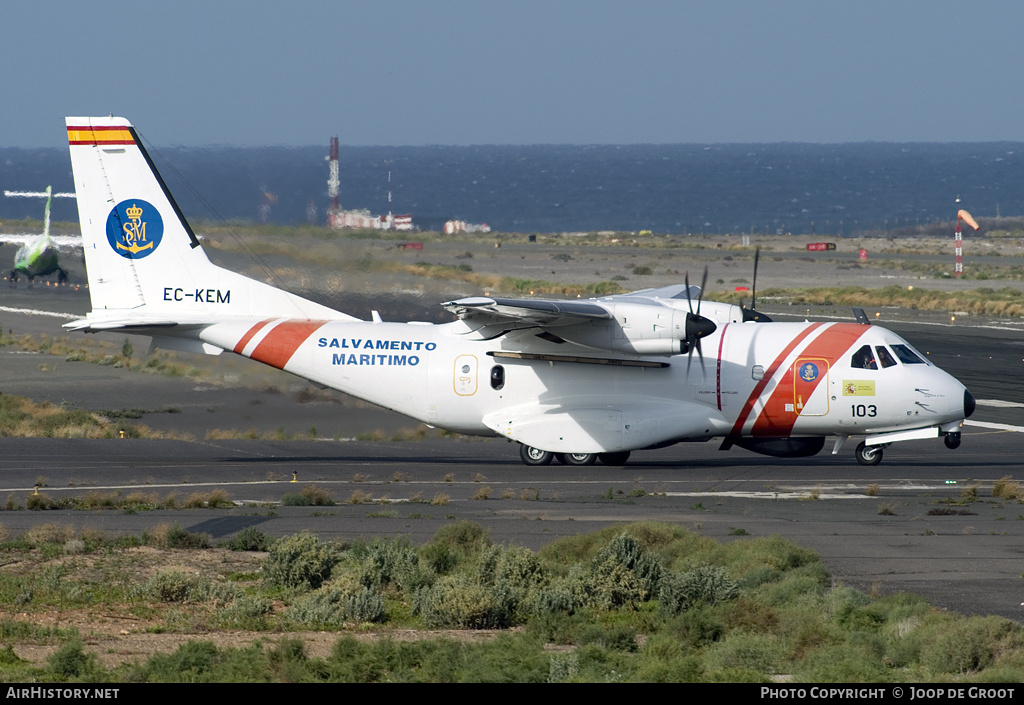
868, 455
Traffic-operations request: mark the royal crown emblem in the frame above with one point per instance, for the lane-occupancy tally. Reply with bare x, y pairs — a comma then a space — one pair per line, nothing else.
134, 228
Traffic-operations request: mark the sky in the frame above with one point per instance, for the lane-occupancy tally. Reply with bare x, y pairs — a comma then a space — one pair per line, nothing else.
464, 72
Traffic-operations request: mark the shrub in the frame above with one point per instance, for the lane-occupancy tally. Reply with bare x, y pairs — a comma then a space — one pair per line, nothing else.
246, 612
302, 560
466, 536
173, 536
174, 585
332, 607
623, 575
387, 563
248, 539
458, 602
704, 584
71, 661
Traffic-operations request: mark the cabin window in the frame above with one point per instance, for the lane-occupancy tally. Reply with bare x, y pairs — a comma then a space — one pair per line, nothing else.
863, 359
907, 356
757, 372
885, 357
497, 377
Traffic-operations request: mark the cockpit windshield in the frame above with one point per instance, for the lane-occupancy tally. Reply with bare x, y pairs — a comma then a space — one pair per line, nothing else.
885, 356
907, 356
866, 358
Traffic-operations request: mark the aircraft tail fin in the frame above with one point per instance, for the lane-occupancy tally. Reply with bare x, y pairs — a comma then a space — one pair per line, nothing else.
143, 260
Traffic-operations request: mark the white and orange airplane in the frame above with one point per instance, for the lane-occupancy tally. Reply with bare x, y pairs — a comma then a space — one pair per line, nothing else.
577, 381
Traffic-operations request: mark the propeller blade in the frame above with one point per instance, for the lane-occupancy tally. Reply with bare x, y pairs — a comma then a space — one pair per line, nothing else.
751, 313
753, 285
697, 326
689, 302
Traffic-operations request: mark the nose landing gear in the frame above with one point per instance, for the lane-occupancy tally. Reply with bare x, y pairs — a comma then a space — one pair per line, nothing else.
868, 455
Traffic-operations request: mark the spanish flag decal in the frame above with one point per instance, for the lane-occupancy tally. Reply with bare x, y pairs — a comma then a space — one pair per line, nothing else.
99, 135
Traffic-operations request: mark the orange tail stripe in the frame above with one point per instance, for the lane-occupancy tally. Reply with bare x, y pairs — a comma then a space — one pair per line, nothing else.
277, 348
249, 336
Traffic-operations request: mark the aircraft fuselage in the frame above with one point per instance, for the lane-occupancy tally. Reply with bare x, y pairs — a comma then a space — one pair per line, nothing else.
774, 381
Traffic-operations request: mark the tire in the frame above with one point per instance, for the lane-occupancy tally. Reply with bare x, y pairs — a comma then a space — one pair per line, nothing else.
534, 456
952, 440
613, 458
579, 459
868, 455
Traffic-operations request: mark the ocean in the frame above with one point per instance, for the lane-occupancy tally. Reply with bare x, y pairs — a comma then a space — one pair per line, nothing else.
830, 189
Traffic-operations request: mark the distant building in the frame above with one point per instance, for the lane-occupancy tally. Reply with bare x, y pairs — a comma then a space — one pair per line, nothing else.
461, 226
358, 219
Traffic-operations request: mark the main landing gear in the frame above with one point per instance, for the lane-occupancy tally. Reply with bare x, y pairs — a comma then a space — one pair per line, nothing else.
536, 456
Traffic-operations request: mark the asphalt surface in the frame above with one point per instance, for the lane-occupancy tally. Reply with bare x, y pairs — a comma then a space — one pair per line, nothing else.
899, 526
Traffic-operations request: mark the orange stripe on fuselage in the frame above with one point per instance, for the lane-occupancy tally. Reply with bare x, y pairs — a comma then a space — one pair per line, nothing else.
775, 419
240, 346
278, 346
99, 135
748, 406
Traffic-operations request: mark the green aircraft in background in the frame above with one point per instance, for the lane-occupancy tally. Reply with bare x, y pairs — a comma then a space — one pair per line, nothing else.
39, 256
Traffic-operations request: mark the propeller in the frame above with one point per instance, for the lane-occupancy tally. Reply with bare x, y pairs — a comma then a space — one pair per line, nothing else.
751, 314
697, 326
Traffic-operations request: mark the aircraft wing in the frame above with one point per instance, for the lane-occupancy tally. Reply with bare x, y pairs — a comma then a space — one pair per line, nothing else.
546, 313
525, 313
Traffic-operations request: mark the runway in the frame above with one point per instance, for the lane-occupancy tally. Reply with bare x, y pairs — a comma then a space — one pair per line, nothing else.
923, 521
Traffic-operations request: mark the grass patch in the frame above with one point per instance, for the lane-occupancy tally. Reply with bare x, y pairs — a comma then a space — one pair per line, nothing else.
639, 603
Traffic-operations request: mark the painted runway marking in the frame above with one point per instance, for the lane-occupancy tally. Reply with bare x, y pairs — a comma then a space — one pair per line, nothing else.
37, 312
999, 403
997, 426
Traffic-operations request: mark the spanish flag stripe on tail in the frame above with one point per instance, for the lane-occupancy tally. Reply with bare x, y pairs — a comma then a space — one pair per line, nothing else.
99, 135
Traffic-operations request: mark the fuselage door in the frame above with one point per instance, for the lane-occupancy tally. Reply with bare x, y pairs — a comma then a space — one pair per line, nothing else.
808, 373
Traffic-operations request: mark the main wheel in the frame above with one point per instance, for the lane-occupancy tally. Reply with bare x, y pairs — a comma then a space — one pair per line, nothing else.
579, 458
952, 440
613, 458
868, 455
534, 456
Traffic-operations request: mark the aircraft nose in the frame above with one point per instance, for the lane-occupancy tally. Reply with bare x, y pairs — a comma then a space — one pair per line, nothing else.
969, 403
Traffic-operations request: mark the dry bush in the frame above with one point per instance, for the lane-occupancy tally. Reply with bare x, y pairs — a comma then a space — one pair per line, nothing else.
1006, 488
49, 533
360, 497
482, 493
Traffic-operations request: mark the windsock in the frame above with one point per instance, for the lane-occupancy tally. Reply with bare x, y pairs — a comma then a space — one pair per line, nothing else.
966, 217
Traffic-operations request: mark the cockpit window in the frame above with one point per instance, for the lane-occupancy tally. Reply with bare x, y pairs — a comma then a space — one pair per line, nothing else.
885, 357
907, 356
863, 359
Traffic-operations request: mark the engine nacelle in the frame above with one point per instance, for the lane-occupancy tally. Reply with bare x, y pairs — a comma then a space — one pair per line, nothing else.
659, 328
